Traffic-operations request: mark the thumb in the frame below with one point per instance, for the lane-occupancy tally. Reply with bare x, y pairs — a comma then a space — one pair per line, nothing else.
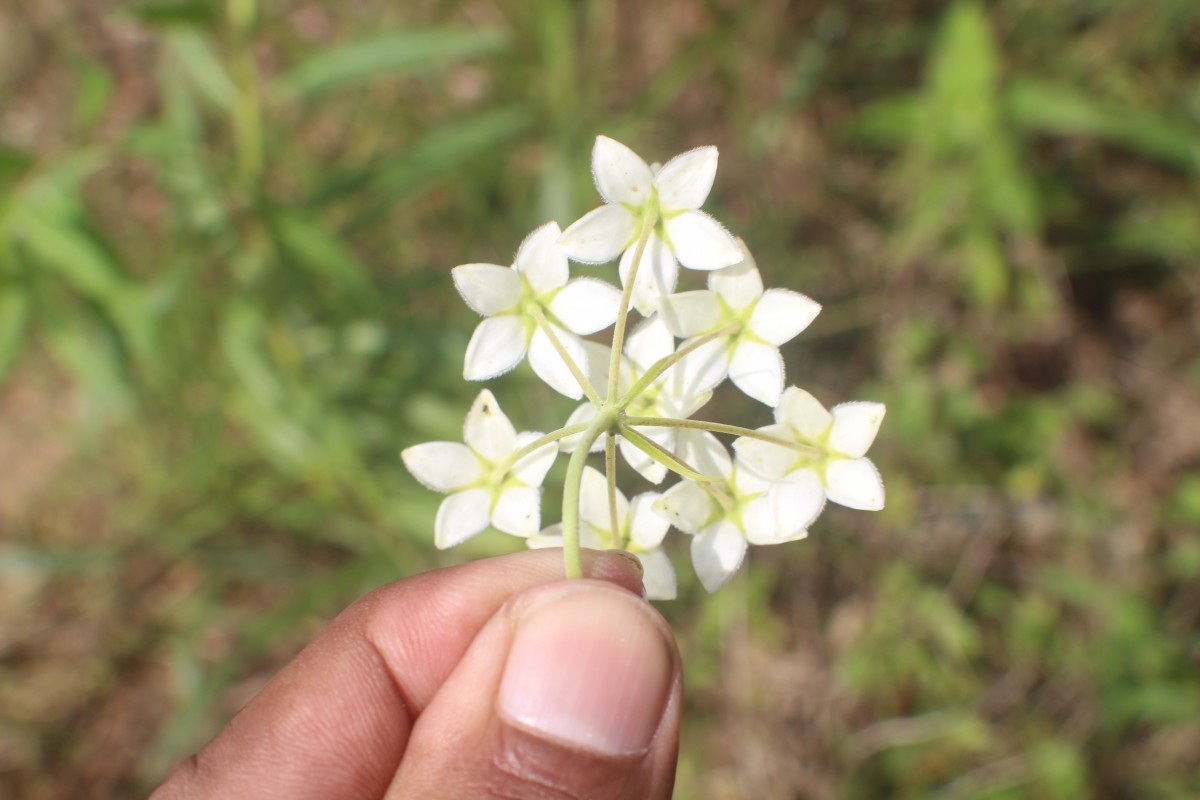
571, 690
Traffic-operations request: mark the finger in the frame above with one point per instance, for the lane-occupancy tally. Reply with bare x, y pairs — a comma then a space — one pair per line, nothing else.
335, 722
572, 690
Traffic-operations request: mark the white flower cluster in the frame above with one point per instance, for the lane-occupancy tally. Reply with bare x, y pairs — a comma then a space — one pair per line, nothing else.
642, 391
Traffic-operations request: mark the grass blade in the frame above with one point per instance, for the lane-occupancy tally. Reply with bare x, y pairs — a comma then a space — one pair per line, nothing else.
397, 53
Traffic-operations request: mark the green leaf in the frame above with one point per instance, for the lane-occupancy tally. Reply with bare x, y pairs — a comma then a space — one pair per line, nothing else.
986, 269
199, 12
401, 177
1164, 226
319, 250
1048, 109
55, 190
87, 267
13, 164
93, 90
69, 252
88, 352
241, 337
890, 121
14, 318
397, 53
962, 82
446, 148
203, 67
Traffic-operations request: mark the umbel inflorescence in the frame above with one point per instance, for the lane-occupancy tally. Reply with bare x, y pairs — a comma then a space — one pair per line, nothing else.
640, 393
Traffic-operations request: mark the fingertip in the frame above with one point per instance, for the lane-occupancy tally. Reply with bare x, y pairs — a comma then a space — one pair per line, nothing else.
588, 667
572, 687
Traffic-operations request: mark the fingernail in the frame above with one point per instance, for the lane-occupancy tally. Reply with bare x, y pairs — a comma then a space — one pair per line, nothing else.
633, 560
590, 668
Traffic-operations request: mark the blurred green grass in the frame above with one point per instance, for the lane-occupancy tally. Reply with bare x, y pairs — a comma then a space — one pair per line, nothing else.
225, 236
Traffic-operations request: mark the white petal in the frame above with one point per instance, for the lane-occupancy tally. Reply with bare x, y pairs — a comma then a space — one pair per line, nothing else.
460, 516
649, 342
739, 285
799, 500
758, 521
593, 502
442, 466
496, 346
598, 358
549, 537
593, 496
531, 470
583, 413
702, 369
656, 276
487, 431
766, 526
855, 426
599, 235
643, 464
745, 483
586, 305
541, 261
757, 369
770, 461
687, 314
646, 528
553, 537
855, 483
518, 511
686, 506
686, 180
704, 452
682, 407
549, 365
699, 241
658, 576
593, 539
621, 175
717, 553
780, 314
487, 288
804, 413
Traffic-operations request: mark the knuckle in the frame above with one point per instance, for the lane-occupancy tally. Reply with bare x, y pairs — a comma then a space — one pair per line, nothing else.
531, 768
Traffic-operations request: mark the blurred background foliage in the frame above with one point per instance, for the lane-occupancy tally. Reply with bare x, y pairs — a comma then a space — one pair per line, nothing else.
225, 236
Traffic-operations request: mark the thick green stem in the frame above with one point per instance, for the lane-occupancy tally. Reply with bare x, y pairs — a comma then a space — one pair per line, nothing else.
618, 342
603, 421
610, 473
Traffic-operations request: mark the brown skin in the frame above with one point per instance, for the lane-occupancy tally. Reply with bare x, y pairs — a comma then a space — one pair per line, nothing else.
398, 697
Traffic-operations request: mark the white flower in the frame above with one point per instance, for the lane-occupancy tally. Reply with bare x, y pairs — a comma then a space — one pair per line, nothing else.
483, 483
673, 194
761, 322
835, 444
513, 298
737, 509
638, 527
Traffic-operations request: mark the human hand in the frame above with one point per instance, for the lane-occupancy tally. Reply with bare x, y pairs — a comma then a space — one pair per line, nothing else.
491, 679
